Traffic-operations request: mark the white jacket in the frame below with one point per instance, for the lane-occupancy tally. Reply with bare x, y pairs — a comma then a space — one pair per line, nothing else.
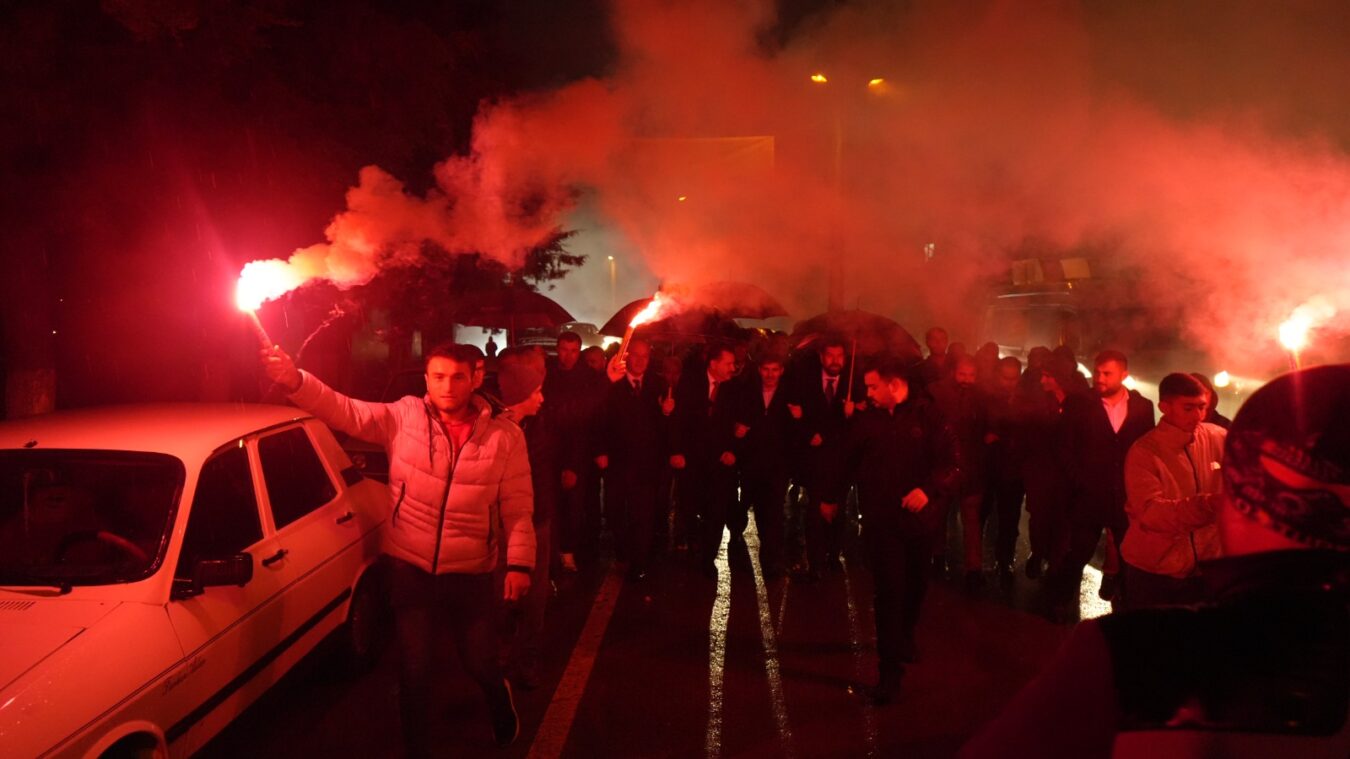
448, 514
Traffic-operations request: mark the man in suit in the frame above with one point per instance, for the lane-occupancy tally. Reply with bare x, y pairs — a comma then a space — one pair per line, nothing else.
767, 429
821, 390
630, 450
1098, 430
703, 446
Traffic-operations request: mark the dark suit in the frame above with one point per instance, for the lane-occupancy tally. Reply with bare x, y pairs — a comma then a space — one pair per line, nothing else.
887, 455
820, 463
701, 430
765, 459
1094, 454
632, 434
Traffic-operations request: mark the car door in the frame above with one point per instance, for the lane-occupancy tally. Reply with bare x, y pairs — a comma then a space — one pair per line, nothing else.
317, 527
228, 634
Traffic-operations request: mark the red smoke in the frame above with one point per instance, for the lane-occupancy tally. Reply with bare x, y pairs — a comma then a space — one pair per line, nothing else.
998, 124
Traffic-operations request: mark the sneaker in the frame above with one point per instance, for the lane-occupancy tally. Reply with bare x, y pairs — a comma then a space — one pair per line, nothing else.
569, 562
1110, 587
505, 719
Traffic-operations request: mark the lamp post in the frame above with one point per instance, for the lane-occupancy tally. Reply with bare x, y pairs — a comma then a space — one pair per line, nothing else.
835, 286
613, 284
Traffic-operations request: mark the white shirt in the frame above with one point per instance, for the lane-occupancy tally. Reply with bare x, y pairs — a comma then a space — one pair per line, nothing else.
1116, 411
768, 397
712, 386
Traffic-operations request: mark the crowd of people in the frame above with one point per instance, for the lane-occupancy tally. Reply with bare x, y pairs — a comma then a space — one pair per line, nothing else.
662, 453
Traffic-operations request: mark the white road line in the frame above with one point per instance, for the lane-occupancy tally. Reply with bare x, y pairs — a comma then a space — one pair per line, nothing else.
855, 641
717, 649
562, 709
772, 670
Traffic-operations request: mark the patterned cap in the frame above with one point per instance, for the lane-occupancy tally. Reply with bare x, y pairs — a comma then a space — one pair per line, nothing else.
1287, 461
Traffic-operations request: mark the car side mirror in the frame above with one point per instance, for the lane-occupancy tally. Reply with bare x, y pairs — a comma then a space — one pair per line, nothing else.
206, 573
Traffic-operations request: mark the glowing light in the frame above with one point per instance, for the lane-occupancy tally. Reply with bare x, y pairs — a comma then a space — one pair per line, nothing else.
650, 312
1294, 331
610, 257
263, 281
1130, 383
1222, 380
682, 198
876, 82
819, 78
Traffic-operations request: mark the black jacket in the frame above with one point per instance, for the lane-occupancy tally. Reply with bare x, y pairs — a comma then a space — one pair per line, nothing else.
699, 430
632, 429
819, 464
888, 454
1094, 454
572, 400
773, 435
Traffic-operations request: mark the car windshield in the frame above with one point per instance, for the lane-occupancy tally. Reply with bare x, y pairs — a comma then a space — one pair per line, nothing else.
81, 517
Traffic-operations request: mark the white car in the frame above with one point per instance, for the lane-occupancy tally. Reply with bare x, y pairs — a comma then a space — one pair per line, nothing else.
162, 566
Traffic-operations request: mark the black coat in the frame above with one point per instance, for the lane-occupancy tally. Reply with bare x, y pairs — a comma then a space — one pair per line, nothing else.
572, 401
818, 464
699, 430
632, 430
1094, 454
967, 413
773, 435
888, 454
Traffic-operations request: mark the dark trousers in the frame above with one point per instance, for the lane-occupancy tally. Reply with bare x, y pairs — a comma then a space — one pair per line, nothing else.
1046, 499
972, 530
631, 509
823, 538
427, 610
527, 644
765, 491
710, 488
579, 512
1004, 498
899, 546
1083, 533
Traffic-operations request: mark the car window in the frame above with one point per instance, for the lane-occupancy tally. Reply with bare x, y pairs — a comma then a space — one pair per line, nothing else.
85, 517
224, 517
296, 480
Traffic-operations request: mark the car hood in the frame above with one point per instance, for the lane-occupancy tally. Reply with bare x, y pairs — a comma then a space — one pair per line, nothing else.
32, 630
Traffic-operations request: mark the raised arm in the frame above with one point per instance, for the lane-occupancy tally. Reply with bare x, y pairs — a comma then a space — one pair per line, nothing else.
372, 422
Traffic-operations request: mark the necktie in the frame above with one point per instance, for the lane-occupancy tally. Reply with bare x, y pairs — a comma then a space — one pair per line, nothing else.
829, 389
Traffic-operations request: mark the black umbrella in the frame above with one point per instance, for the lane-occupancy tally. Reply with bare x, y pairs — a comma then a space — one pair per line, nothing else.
510, 308
875, 334
689, 321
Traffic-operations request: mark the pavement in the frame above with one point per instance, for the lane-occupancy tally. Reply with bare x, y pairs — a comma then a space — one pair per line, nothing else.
678, 665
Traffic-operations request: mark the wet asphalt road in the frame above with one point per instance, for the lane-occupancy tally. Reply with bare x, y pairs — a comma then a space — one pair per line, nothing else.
682, 666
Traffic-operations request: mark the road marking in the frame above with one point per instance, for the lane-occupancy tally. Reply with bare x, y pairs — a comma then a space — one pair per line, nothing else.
562, 709
855, 641
766, 632
717, 649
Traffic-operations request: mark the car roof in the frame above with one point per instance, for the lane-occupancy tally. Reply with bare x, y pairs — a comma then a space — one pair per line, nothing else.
190, 431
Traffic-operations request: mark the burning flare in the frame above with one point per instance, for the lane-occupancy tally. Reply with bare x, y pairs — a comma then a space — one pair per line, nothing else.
651, 312
1314, 313
263, 281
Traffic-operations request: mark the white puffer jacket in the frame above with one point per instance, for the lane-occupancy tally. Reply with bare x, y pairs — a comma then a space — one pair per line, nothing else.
449, 514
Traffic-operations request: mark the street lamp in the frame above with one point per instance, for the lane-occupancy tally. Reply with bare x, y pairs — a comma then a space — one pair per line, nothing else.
835, 287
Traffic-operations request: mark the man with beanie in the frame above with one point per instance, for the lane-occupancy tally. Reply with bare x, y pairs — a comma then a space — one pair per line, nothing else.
459, 486
520, 377
1264, 669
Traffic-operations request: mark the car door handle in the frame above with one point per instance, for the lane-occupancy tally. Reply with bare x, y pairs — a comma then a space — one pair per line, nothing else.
274, 558
345, 518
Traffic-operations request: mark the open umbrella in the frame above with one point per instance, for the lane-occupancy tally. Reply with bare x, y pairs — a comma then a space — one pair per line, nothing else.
739, 300
694, 321
510, 308
876, 334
